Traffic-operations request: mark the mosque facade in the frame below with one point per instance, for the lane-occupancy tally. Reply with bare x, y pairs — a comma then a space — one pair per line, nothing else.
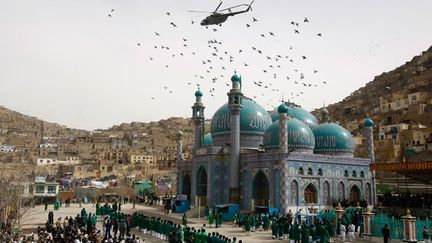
284, 158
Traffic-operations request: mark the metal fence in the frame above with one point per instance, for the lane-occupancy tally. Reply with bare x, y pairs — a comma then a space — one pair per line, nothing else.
395, 225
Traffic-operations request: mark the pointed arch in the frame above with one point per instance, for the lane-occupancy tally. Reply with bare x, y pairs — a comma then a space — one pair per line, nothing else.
294, 193
186, 190
201, 182
311, 194
326, 193
354, 194
341, 191
260, 189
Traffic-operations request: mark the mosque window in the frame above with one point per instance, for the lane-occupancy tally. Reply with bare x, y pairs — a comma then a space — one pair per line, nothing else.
346, 174
354, 173
310, 171
320, 172
362, 174
301, 171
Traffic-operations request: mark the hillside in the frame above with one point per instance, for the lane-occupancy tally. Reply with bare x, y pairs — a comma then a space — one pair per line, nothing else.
402, 95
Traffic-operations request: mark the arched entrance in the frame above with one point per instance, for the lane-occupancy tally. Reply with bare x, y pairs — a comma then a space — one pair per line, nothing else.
186, 186
341, 191
354, 194
326, 193
260, 189
201, 191
310, 194
294, 193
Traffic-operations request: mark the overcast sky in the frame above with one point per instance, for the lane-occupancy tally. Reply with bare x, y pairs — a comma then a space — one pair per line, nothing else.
69, 62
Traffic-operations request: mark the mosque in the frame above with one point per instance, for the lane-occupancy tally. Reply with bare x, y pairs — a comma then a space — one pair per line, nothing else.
285, 158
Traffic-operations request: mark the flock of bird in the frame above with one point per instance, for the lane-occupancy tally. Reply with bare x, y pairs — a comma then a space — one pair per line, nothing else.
218, 59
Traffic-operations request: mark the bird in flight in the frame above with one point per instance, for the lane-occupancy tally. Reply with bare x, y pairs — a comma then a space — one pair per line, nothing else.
173, 24
254, 19
296, 32
271, 33
157, 34
319, 34
248, 25
306, 20
168, 13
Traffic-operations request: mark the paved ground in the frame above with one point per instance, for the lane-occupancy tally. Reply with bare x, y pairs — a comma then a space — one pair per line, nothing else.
37, 216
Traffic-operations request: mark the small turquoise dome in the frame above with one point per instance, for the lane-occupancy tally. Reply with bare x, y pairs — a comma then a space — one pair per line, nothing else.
299, 113
198, 93
332, 138
282, 108
300, 136
208, 140
236, 78
368, 122
254, 119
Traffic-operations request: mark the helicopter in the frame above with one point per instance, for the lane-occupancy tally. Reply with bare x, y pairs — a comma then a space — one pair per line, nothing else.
218, 17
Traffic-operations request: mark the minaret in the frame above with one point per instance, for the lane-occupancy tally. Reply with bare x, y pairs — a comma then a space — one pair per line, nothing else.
324, 115
198, 118
368, 123
368, 133
179, 158
283, 149
179, 149
235, 98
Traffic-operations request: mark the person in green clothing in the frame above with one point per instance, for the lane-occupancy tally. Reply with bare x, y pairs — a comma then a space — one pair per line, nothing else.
184, 219
296, 233
313, 233
97, 209
220, 218
304, 233
210, 217
247, 226
291, 234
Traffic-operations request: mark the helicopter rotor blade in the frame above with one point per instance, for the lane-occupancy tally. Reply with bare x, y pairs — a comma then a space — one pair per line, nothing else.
218, 7
199, 12
240, 5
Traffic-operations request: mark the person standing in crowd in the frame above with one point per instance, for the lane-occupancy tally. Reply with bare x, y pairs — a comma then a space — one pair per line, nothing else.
426, 234
342, 232
184, 219
351, 230
386, 233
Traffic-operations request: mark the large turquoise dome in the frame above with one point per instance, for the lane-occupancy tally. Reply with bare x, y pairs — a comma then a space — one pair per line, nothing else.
207, 140
254, 121
297, 112
300, 136
333, 139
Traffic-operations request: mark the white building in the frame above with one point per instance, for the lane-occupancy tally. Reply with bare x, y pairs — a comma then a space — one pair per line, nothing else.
55, 161
43, 188
4, 148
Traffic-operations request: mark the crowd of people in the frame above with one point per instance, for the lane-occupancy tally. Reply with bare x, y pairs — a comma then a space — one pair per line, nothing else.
420, 200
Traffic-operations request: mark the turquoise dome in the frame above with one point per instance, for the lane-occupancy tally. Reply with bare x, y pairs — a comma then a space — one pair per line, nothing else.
299, 113
300, 136
207, 140
198, 93
332, 138
254, 119
236, 78
282, 109
368, 122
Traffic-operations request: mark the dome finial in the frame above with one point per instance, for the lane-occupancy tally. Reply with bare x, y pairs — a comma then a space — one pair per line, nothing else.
198, 93
368, 122
283, 108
